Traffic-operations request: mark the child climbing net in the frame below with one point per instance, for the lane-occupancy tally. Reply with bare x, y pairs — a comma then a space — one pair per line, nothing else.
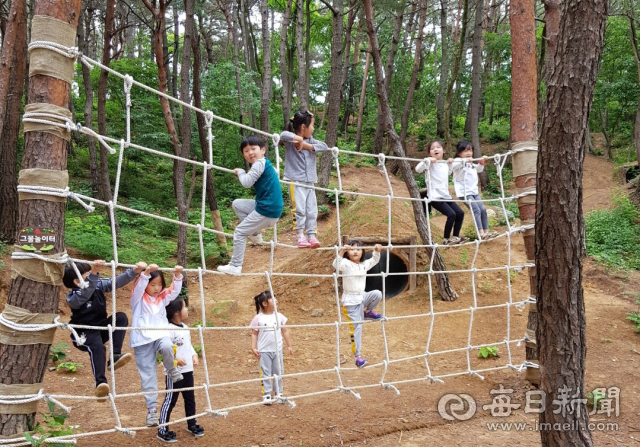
209, 386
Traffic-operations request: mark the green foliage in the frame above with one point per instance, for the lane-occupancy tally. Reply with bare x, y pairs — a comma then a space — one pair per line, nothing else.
69, 366
613, 236
58, 352
634, 317
488, 351
323, 211
331, 195
594, 398
54, 426
497, 132
3, 251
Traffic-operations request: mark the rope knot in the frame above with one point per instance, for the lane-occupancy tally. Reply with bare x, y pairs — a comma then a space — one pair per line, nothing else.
381, 159
208, 119
275, 139
335, 152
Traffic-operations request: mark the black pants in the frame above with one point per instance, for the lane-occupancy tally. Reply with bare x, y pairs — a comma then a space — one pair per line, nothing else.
94, 344
171, 398
454, 214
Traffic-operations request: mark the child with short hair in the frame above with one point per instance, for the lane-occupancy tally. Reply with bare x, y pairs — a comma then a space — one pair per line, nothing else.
267, 346
300, 167
254, 215
465, 183
89, 307
357, 304
149, 298
186, 358
437, 179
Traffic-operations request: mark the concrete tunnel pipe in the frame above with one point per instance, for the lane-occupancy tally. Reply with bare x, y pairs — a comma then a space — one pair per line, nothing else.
395, 284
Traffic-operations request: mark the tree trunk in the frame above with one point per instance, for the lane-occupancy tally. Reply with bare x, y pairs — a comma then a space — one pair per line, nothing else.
444, 67
212, 201
634, 44
266, 71
228, 15
303, 91
26, 364
446, 291
84, 30
474, 103
284, 72
388, 74
361, 102
559, 220
102, 108
457, 60
12, 78
176, 47
334, 97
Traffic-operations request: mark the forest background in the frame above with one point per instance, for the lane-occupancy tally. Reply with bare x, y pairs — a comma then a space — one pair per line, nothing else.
447, 74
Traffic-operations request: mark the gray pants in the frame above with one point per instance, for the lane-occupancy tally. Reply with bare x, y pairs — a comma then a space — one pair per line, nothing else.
356, 313
251, 222
479, 211
270, 364
147, 368
303, 201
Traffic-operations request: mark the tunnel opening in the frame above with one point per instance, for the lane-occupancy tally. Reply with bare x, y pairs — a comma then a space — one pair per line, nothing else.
395, 284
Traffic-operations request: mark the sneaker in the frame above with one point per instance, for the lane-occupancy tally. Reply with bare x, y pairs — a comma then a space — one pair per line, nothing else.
175, 375
255, 239
360, 362
371, 315
313, 242
445, 242
266, 399
119, 360
168, 436
152, 418
230, 269
102, 390
196, 430
492, 234
303, 242
280, 398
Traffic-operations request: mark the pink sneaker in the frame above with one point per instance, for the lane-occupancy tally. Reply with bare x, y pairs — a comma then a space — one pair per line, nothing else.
303, 242
313, 242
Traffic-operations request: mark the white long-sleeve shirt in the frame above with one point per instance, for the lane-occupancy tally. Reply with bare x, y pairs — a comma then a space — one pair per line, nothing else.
182, 339
465, 177
437, 179
149, 311
353, 286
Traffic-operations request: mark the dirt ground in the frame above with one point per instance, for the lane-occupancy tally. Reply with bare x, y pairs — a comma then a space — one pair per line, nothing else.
380, 417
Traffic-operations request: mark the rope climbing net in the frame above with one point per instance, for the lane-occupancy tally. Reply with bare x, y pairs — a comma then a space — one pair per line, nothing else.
344, 378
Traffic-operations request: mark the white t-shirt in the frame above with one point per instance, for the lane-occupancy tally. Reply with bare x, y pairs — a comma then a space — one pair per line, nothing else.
182, 339
465, 177
437, 179
265, 325
353, 286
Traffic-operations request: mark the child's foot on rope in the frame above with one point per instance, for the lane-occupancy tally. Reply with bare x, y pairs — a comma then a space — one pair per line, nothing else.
196, 430
313, 242
152, 418
303, 242
280, 398
492, 234
119, 360
371, 315
266, 399
360, 362
230, 269
175, 375
167, 436
102, 390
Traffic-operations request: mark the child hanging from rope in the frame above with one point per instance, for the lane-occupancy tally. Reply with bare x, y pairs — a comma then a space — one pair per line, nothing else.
357, 304
465, 183
185, 358
300, 167
89, 307
257, 214
149, 298
266, 344
437, 179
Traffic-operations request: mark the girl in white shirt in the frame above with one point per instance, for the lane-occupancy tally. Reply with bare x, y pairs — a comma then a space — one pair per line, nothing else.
465, 182
437, 179
149, 298
357, 304
266, 343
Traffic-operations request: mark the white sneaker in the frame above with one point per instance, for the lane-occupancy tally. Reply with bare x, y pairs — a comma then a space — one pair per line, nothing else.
266, 399
255, 239
230, 269
280, 398
175, 375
